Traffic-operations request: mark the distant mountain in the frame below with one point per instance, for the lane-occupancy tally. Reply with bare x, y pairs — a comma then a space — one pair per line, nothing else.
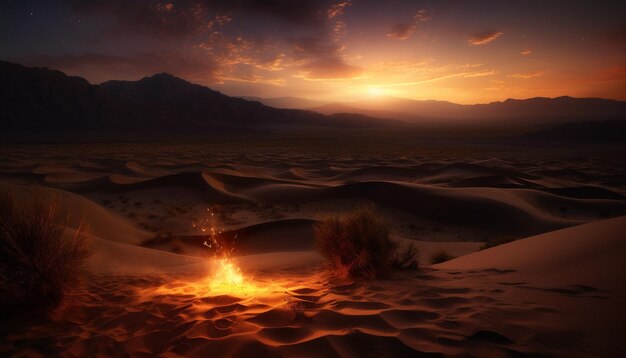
48, 101
335, 107
288, 102
535, 112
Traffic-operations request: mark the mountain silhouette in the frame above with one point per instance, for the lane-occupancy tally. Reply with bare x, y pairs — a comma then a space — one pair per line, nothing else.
536, 111
49, 102
39, 100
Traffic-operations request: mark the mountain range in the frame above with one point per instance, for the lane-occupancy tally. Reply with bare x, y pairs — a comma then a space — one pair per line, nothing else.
537, 111
43, 100
49, 102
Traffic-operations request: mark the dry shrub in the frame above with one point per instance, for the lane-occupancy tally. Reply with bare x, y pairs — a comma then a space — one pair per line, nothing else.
358, 245
440, 256
406, 258
38, 265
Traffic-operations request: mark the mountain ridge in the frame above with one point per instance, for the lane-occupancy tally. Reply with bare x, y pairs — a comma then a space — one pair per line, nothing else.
555, 110
49, 101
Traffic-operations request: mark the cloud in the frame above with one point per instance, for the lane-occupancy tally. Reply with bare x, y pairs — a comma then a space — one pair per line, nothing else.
525, 76
484, 37
241, 37
329, 68
422, 16
404, 73
526, 51
151, 17
252, 60
321, 59
337, 9
180, 18
246, 73
403, 31
339, 30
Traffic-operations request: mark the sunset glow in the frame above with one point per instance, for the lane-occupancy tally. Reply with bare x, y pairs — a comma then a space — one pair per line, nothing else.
375, 91
465, 52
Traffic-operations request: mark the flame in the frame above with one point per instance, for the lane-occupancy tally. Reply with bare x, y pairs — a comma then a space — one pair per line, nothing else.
227, 279
224, 277
227, 274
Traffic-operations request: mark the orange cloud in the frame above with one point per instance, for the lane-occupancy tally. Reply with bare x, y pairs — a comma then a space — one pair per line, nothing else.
421, 15
337, 9
484, 37
401, 31
330, 68
526, 76
404, 30
526, 51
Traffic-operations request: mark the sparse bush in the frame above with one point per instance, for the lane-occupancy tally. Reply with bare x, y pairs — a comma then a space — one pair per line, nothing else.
358, 245
440, 256
38, 265
405, 258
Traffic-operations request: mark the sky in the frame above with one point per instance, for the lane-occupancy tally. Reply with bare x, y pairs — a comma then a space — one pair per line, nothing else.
338, 50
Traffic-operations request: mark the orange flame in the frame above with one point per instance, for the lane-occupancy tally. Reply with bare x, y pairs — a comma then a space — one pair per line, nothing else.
227, 273
224, 276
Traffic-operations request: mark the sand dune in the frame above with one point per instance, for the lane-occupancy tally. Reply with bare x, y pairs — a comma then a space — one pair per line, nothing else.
116, 258
558, 293
578, 271
433, 197
78, 210
589, 255
514, 212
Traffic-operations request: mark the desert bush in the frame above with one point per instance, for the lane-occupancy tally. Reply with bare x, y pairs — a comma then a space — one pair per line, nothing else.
440, 256
405, 258
38, 265
358, 245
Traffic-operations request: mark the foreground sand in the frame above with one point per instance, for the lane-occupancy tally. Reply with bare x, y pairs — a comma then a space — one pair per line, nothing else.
558, 293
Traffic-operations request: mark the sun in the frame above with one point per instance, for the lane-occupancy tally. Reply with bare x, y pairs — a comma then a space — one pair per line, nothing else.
375, 91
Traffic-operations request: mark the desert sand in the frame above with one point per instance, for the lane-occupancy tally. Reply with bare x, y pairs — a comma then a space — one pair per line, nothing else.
153, 288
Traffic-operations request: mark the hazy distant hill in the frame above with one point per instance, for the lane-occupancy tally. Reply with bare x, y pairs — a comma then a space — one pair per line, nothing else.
532, 111
288, 102
47, 101
336, 107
